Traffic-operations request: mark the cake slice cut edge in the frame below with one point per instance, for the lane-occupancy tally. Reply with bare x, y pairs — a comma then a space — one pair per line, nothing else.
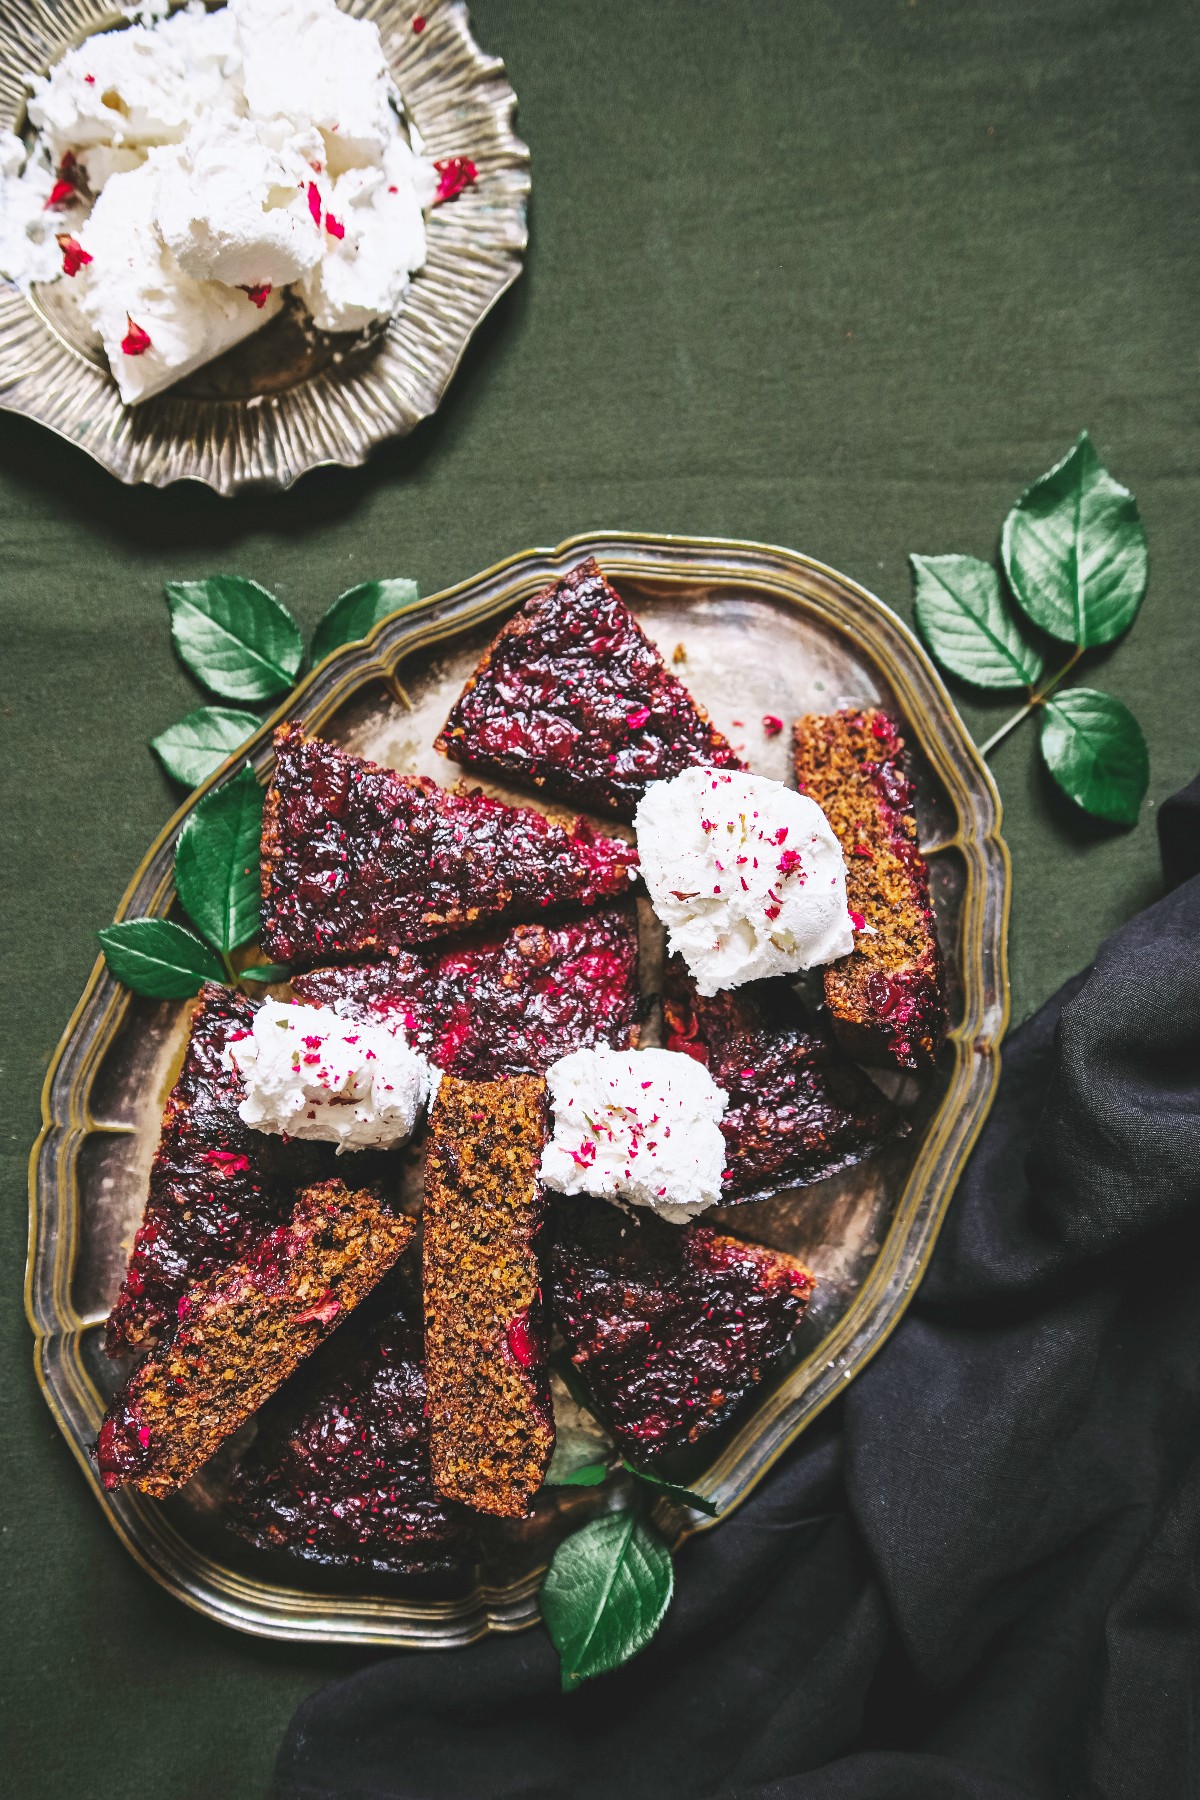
500, 1003
490, 1412
358, 860
573, 698
670, 1328
886, 1000
242, 1332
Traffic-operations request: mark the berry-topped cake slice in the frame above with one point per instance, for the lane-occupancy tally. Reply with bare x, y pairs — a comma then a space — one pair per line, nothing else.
506, 1003
886, 998
670, 1328
799, 1109
215, 1185
573, 697
241, 1333
338, 1473
359, 860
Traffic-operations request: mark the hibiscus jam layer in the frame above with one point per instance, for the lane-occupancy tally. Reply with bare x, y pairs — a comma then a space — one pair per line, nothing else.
490, 1414
357, 859
215, 1185
886, 999
338, 1473
241, 1333
573, 697
799, 1109
670, 1328
509, 1003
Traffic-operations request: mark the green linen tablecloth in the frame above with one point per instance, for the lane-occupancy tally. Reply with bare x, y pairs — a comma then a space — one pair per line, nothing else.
839, 274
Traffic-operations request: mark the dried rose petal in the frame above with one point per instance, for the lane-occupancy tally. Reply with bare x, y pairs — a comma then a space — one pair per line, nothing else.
334, 227
418, 24
260, 294
314, 202
136, 342
637, 718
74, 254
771, 725
456, 173
858, 922
61, 194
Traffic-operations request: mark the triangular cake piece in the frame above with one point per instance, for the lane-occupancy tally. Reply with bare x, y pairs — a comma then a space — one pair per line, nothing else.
886, 999
573, 697
508, 1003
242, 1332
799, 1109
669, 1328
215, 1185
338, 1474
358, 860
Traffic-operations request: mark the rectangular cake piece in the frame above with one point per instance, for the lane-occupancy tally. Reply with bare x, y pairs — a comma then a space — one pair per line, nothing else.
508, 1003
573, 697
799, 1109
338, 1474
358, 860
242, 1332
669, 1328
215, 1185
491, 1420
886, 998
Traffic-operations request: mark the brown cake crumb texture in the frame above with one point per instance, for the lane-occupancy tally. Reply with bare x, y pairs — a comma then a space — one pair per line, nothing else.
242, 1332
885, 999
491, 1420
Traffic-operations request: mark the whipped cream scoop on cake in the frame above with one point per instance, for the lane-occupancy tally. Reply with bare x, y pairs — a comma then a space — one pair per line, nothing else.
746, 875
309, 1073
185, 172
636, 1125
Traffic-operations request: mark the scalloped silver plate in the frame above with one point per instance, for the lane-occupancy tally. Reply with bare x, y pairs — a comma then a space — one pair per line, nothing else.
765, 631
288, 399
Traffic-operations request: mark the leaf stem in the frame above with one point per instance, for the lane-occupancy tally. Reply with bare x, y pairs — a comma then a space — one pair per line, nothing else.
1037, 697
231, 974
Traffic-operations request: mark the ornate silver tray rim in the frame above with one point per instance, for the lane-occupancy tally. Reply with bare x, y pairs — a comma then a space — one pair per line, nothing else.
266, 1608
352, 398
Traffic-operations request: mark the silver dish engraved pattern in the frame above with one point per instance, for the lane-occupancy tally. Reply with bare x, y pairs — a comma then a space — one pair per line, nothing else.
762, 631
288, 399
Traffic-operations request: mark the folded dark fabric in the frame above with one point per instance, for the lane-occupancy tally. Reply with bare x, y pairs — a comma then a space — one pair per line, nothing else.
975, 1579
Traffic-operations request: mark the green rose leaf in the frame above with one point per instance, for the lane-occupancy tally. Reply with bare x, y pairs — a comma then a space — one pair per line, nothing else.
1075, 551
605, 1594
590, 1475
967, 624
354, 613
265, 972
199, 744
158, 958
1094, 748
216, 862
683, 1495
235, 637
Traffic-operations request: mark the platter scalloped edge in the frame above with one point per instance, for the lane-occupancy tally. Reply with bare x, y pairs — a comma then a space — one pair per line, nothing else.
273, 1610
462, 104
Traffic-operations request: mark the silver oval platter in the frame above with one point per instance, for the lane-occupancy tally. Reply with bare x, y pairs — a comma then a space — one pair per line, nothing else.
763, 631
289, 398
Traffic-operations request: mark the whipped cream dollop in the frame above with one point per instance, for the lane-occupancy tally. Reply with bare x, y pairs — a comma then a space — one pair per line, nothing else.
636, 1125
746, 875
136, 285
186, 171
308, 1073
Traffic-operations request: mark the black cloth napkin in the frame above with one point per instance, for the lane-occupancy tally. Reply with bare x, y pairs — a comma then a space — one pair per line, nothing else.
977, 1575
